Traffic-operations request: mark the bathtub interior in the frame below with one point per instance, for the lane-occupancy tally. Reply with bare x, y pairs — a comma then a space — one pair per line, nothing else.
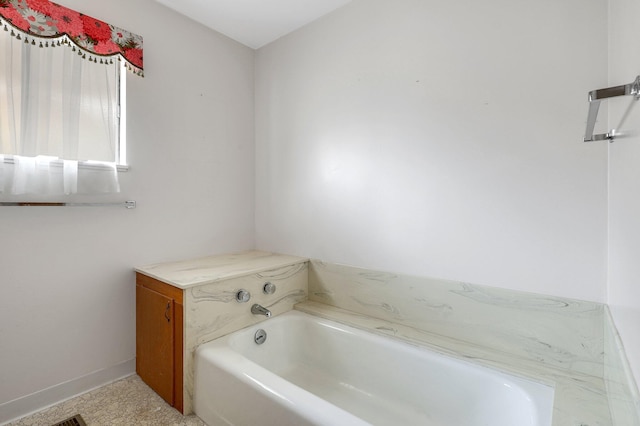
379, 380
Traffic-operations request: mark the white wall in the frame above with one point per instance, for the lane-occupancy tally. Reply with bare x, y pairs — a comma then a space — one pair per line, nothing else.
431, 138
439, 139
624, 182
66, 274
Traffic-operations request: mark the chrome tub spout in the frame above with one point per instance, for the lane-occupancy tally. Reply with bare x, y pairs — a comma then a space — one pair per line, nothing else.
260, 310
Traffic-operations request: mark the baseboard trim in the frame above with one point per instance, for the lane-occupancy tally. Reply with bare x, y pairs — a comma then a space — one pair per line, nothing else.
37, 401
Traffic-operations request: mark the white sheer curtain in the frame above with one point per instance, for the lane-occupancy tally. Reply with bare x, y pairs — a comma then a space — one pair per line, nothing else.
56, 110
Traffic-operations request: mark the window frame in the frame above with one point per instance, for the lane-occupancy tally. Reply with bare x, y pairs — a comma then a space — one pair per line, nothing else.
120, 159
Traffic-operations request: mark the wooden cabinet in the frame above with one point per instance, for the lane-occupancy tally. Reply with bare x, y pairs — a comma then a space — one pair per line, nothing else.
159, 338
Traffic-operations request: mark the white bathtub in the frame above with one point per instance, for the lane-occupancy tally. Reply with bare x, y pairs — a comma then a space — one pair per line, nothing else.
312, 371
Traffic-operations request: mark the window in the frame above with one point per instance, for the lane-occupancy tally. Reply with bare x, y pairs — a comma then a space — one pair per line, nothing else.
57, 104
62, 99
60, 115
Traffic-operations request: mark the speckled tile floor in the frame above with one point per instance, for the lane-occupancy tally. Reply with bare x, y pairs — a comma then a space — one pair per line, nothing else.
127, 402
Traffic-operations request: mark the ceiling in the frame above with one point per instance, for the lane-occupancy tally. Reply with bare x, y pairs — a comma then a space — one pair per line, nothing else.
254, 22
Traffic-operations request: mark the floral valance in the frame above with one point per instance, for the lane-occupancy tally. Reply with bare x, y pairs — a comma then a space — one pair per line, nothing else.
49, 24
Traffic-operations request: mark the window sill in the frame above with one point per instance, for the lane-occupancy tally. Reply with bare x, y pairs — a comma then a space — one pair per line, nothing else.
92, 165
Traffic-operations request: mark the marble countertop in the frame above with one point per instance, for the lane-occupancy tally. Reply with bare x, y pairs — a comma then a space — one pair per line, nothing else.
580, 399
206, 270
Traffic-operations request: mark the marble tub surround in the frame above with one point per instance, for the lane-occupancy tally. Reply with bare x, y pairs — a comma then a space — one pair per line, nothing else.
205, 270
579, 400
622, 392
211, 310
209, 286
560, 332
567, 343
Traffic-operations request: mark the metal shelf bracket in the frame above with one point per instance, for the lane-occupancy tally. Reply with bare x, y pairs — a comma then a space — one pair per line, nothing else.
595, 96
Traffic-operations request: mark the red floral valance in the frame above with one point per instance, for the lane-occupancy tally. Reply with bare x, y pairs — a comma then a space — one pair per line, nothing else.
49, 24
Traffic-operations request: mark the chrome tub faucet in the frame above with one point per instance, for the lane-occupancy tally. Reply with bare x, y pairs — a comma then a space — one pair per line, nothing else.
260, 310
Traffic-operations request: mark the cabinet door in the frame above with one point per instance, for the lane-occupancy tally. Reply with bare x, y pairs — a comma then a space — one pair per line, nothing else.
155, 314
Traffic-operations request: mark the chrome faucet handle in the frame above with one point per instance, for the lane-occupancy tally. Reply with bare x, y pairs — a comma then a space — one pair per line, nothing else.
269, 288
243, 296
